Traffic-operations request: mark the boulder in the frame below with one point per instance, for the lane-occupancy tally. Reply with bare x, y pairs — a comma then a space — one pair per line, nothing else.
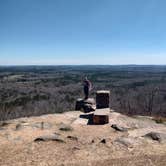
161, 137
87, 105
79, 104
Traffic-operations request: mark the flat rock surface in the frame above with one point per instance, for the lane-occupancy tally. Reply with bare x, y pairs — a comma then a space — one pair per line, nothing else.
103, 91
84, 144
104, 111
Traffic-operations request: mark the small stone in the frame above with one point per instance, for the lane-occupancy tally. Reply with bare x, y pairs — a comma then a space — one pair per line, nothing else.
19, 127
103, 141
118, 128
49, 138
72, 138
76, 148
65, 127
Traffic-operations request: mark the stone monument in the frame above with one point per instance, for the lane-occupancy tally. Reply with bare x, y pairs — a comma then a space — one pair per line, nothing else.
102, 99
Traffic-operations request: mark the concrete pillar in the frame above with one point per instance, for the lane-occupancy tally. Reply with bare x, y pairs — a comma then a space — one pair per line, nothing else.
102, 99
101, 116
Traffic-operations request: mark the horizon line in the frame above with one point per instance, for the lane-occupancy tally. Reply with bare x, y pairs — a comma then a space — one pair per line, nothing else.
13, 65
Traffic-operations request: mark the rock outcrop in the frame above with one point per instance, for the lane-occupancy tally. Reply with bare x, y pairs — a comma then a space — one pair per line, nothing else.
87, 105
69, 139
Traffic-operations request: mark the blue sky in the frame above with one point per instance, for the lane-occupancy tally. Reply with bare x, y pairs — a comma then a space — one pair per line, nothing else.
53, 32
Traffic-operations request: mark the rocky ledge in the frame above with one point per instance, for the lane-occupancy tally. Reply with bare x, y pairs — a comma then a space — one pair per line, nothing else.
69, 139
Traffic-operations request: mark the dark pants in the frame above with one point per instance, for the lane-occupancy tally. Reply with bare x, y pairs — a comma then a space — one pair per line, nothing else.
86, 92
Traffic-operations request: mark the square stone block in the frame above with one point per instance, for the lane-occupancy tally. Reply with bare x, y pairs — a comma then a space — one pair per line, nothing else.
102, 99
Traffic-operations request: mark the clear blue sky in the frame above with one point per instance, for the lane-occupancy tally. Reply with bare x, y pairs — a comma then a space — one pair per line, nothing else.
82, 32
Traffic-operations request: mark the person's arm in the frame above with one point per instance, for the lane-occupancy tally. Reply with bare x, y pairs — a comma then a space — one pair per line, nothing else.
90, 86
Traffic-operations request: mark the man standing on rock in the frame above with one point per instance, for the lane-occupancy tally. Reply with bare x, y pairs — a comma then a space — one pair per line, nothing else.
87, 87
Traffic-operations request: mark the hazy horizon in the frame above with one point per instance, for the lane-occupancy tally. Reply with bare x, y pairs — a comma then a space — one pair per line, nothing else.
45, 65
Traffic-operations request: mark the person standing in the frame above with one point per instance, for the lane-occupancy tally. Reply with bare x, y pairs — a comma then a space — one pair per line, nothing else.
87, 87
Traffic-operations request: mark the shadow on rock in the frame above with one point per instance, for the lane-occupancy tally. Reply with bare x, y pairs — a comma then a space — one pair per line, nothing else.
89, 117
